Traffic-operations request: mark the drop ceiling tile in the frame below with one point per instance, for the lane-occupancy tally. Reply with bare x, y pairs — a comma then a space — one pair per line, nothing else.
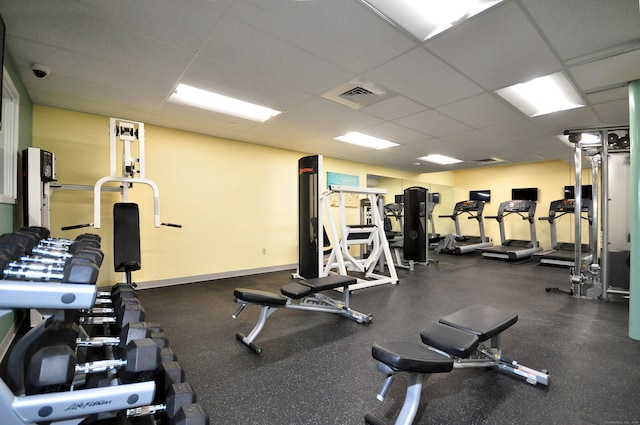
514, 131
557, 122
480, 111
608, 95
433, 123
420, 76
613, 113
394, 132
472, 139
496, 49
220, 78
242, 46
394, 108
345, 33
618, 69
170, 22
578, 27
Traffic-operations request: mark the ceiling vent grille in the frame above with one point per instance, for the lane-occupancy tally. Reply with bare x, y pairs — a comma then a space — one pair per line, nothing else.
491, 160
358, 94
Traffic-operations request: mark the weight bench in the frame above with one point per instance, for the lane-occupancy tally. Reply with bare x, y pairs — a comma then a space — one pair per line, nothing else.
303, 295
467, 338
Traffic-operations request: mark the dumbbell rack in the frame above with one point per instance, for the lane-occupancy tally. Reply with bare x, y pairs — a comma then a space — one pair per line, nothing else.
74, 405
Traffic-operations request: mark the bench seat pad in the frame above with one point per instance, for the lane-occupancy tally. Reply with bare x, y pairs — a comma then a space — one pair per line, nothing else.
332, 281
453, 341
295, 290
482, 320
411, 357
256, 296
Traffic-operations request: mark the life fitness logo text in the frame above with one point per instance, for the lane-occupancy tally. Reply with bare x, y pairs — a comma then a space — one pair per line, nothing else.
306, 170
80, 406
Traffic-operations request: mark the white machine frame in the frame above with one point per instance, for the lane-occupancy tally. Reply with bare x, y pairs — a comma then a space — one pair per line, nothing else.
340, 258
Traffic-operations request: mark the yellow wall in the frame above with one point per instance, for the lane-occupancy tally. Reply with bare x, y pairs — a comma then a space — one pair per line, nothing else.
237, 202
234, 200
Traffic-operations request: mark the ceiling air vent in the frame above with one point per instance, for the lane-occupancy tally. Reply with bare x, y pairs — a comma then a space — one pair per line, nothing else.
491, 160
358, 94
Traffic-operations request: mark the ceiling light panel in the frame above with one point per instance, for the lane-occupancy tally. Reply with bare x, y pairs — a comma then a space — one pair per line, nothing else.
440, 159
543, 95
426, 18
204, 99
367, 141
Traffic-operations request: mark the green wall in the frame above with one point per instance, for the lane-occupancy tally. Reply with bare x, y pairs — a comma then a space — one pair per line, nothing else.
9, 213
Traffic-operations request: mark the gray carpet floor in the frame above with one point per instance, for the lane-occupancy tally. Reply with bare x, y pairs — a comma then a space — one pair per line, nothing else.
316, 368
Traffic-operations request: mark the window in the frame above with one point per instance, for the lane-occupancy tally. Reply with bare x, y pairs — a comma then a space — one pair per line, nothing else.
9, 141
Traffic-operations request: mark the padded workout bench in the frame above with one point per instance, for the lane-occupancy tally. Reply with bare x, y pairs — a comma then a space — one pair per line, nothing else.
307, 293
457, 341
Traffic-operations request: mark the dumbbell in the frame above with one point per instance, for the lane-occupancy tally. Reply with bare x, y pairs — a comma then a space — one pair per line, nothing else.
119, 316
68, 333
71, 250
44, 236
57, 365
26, 241
76, 270
178, 398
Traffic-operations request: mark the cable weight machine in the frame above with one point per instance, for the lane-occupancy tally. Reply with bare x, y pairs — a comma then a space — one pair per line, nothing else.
602, 146
40, 181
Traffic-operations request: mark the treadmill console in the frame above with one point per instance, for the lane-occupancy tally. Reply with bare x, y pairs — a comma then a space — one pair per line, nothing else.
517, 206
470, 206
568, 206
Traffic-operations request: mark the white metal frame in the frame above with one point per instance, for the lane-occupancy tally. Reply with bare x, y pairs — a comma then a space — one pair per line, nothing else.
9, 133
340, 258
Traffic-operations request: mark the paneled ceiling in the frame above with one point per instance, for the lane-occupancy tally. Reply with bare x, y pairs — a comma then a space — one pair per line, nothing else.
124, 58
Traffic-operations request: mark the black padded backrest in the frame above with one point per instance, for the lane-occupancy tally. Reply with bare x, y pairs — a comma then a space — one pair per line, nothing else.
126, 237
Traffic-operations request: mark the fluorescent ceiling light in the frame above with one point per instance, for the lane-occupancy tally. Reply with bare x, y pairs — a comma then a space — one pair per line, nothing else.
543, 95
360, 139
204, 99
426, 18
436, 158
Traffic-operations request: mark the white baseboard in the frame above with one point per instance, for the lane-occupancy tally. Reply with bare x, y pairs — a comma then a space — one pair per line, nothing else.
213, 276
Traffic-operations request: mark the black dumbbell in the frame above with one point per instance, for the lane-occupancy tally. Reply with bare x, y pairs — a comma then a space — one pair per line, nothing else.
77, 270
68, 333
178, 397
25, 241
192, 414
11, 251
64, 252
126, 313
57, 365
39, 232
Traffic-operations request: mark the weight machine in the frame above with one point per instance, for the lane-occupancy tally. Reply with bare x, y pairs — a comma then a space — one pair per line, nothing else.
606, 146
40, 174
345, 235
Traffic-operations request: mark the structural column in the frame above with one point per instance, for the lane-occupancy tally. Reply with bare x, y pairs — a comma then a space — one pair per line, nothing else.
634, 283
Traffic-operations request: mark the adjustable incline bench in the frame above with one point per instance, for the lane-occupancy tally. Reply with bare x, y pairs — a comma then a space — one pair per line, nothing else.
308, 297
457, 341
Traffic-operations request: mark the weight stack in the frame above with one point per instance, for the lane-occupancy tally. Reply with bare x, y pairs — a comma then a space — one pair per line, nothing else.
415, 238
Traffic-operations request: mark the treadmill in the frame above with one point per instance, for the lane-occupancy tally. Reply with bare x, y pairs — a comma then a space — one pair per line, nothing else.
514, 249
563, 254
463, 243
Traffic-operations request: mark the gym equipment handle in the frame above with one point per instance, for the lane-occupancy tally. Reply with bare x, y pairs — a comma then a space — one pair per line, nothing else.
76, 226
179, 226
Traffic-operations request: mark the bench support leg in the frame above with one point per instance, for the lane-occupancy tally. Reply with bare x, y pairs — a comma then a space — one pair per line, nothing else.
412, 400
265, 312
